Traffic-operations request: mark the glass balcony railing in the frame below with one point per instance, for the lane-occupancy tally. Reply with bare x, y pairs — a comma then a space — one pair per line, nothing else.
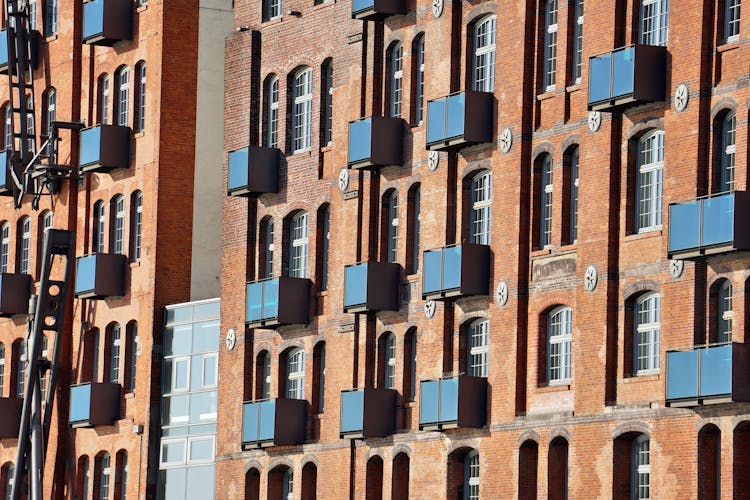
368, 412
376, 10
253, 170
629, 75
15, 292
279, 301
375, 142
3, 51
104, 148
456, 270
371, 286
10, 409
459, 120
106, 22
708, 374
453, 402
709, 225
273, 422
93, 404
100, 276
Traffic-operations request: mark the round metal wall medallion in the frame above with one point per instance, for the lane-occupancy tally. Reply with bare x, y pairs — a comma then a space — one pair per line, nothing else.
231, 339
676, 267
433, 161
595, 121
344, 179
590, 279
437, 8
681, 97
506, 140
429, 309
501, 294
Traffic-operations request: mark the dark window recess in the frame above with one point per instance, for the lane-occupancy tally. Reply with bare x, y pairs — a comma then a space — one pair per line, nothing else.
253, 170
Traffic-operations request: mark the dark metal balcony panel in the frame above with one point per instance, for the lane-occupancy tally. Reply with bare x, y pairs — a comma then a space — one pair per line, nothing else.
708, 375
372, 286
456, 271
376, 142
104, 148
106, 22
368, 413
15, 291
459, 120
377, 10
34, 38
100, 276
94, 403
10, 413
253, 170
453, 402
279, 301
628, 76
711, 225
274, 422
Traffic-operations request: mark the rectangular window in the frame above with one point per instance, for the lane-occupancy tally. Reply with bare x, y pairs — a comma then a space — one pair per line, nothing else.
484, 55
272, 114
328, 104
114, 367
25, 246
137, 226
4, 247
209, 371
295, 384
326, 236
396, 66
550, 45
578, 41
118, 229
481, 206
302, 117
419, 86
732, 20
478, 348
299, 237
180, 374
123, 86
272, 9
50, 27
641, 469
140, 118
104, 100
654, 22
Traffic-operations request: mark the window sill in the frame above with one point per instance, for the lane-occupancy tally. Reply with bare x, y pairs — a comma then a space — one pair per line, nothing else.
413, 277
548, 94
417, 127
573, 88
129, 395
50, 38
327, 148
142, 8
324, 4
569, 247
271, 22
135, 264
301, 152
540, 253
322, 293
647, 377
140, 134
731, 44
544, 388
651, 233
409, 404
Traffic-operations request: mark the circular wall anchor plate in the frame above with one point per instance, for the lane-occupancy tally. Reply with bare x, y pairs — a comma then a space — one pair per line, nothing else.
433, 161
429, 309
590, 279
437, 8
344, 179
681, 97
595, 121
501, 294
506, 140
676, 267
231, 339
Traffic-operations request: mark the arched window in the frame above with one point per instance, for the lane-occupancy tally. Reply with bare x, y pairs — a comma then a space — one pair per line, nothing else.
654, 22
82, 478
649, 181
4, 246
417, 49
117, 211
2, 368
19, 348
131, 352
309, 481
31, 140
7, 133
478, 347
139, 124
322, 244
481, 207
545, 202
740, 464
728, 138
646, 334
265, 267
102, 476
413, 228
287, 485
410, 364
302, 111
90, 369
104, 99
252, 484
319, 377
387, 360
724, 312
390, 223
395, 65
121, 475
8, 473
113, 360
528, 464
263, 375
557, 468
641, 468
578, 41
43, 377
97, 228
326, 105
295, 374
24, 245
400, 477
374, 478
122, 81
471, 475
484, 55
709, 462
271, 112
50, 103
550, 44
559, 340
298, 251
136, 225
571, 200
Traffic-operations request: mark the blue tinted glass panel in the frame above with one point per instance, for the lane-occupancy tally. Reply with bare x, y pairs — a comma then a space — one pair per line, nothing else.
432, 280
80, 403
599, 72
3, 164
90, 145
3, 48
451, 268
86, 274
684, 226
250, 422
718, 220
623, 63
200, 482
682, 375
93, 18
360, 135
435, 121
270, 299
352, 410
429, 401
449, 400
267, 420
238, 169
360, 5
456, 112
355, 285
716, 370
254, 306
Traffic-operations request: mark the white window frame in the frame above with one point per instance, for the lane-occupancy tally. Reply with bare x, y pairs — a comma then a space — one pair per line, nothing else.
477, 348
138, 226
299, 245
123, 473
273, 10
287, 484
175, 389
728, 148
471, 476
51, 99
725, 315
574, 183
396, 65
31, 140
392, 222
481, 207
550, 44
295, 380
47, 220
104, 99
215, 357
302, 111
140, 124
33, 14
389, 361
419, 87
118, 229
123, 96
654, 22
106, 474
545, 203
269, 229
328, 110
98, 229
192, 461
646, 333
266, 386
732, 20
559, 345
483, 62
271, 136
25, 257
167, 442
4, 246
114, 358
51, 17
578, 41
641, 468
8, 127
649, 179
2, 367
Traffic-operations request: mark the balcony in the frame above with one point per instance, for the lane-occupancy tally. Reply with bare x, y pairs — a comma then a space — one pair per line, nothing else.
104, 148
6, 179
274, 422
106, 22
456, 271
34, 38
94, 404
628, 76
376, 142
100, 276
456, 402
15, 292
10, 409
253, 170
377, 10
460, 120
708, 375
368, 413
371, 286
709, 225
278, 301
